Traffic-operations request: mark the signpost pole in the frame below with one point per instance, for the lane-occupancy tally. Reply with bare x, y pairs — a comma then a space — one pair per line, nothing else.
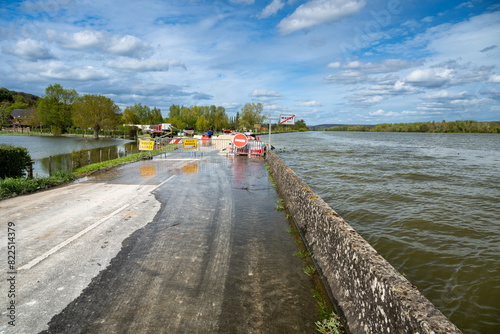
269, 132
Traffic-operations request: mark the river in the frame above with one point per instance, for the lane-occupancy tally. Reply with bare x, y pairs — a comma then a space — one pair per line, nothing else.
428, 203
61, 149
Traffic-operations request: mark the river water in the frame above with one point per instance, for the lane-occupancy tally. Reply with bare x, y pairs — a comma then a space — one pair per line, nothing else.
428, 203
61, 149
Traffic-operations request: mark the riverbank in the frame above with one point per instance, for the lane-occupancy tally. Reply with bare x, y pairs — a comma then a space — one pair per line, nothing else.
429, 127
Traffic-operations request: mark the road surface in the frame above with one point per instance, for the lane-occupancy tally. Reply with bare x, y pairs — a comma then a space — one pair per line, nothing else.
178, 244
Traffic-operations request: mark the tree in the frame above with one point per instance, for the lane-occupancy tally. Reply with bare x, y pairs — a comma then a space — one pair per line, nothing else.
4, 114
220, 120
55, 108
95, 111
251, 115
6, 95
129, 117
32, 117
144, 114
19, 103
202, 123
156, 116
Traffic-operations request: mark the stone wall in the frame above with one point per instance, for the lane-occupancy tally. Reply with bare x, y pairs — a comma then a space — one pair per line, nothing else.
373, 296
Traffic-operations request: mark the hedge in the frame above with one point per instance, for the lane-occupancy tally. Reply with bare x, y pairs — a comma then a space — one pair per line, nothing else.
14, 161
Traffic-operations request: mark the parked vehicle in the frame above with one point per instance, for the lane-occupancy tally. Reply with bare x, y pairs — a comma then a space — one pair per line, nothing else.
163, 130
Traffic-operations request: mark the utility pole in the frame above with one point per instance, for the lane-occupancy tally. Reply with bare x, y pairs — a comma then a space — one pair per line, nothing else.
268, 116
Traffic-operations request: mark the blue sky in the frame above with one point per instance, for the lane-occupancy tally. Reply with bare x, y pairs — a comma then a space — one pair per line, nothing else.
325, 61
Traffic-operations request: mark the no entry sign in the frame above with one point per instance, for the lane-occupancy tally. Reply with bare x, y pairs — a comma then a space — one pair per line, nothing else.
240, 140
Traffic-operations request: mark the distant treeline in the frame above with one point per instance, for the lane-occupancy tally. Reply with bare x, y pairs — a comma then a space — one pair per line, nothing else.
439, 127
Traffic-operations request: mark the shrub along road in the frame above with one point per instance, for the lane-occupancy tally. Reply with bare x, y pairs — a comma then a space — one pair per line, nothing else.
172, 245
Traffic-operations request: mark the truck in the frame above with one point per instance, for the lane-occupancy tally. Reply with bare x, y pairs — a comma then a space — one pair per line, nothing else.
162, 130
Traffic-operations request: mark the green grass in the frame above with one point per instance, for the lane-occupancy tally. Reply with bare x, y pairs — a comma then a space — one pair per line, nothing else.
324, 311
302, 253
269, 169
120, 161
309, 270
280, 208
291, 230
332, 325
109, 163
10, 187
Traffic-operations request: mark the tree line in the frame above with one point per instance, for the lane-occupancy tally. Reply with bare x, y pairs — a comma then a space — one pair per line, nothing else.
62, 109
435, 127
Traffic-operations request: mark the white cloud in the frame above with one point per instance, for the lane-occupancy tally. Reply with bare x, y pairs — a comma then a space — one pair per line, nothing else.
333, 65
494, 78
57, 70
29, 49
309, 104
316, 12
444, 95
381, 112
143, 65
430, 78
271, 9
346, 77
89, 39
356, 71
386, 66
266, 94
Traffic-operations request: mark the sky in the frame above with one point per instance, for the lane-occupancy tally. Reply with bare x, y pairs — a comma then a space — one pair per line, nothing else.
324, 61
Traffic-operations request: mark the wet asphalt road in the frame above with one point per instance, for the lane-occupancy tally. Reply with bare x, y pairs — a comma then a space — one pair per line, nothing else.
211, 257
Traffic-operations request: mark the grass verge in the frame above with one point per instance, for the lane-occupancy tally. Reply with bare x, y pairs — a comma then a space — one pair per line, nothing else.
10, 187
105, 165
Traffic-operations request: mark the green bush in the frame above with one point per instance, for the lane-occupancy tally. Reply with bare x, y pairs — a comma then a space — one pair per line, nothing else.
14, 161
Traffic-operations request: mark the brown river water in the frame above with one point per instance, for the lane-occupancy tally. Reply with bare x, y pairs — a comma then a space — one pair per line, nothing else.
428, 203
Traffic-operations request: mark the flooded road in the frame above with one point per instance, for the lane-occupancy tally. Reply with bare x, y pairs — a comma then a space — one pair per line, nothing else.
199, 249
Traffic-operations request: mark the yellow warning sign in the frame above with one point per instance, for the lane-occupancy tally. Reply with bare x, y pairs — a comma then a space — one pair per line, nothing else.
146, 145
190, 143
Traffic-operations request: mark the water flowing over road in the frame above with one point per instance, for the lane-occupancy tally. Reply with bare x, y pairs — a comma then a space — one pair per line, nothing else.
429, 203
178, 244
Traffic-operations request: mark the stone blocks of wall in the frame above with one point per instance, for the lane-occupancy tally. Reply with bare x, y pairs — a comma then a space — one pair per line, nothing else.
373, 296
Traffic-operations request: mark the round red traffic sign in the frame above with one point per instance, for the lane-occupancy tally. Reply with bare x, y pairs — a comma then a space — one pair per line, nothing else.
240, 140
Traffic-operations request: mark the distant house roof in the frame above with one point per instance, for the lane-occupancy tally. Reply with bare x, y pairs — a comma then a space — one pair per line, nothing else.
19, 113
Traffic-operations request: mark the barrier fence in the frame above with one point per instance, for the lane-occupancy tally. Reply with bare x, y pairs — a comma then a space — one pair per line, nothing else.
214, 145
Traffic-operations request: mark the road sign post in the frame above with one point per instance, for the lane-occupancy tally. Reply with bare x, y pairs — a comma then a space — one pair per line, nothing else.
240, 140
287, 119
190, 143
146, 145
